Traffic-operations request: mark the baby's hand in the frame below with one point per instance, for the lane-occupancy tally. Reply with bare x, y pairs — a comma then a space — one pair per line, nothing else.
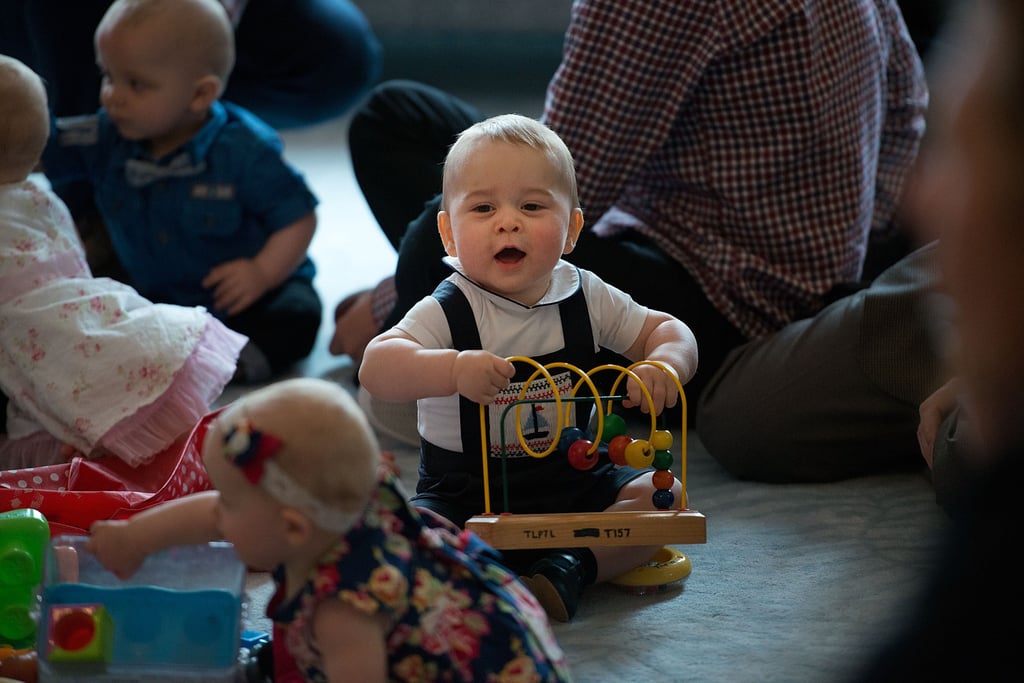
70, 452
480, 375
662, 387
236, 285
112, 544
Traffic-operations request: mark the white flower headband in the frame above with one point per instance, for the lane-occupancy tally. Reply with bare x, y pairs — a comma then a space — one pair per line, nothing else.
252, 451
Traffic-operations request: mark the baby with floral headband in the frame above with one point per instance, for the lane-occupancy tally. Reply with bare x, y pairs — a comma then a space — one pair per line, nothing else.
367, 589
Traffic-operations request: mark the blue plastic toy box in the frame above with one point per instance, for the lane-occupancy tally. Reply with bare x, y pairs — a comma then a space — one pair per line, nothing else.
177, 619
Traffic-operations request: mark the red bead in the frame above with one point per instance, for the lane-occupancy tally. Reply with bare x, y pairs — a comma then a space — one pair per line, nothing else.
663, 480
568, 437
579, 455
617, 449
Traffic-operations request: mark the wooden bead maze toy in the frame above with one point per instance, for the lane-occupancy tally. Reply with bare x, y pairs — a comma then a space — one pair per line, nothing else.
669, 523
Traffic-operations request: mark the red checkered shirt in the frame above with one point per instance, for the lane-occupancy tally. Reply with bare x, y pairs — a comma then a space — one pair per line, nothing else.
756, 141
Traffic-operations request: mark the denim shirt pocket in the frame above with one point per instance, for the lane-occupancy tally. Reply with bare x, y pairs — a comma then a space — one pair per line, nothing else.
212, 213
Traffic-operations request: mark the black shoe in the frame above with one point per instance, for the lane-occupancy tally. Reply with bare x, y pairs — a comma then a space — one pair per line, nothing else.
556, 580
252, 366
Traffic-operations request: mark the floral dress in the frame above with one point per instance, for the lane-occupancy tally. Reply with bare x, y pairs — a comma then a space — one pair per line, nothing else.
88, 361
455, 613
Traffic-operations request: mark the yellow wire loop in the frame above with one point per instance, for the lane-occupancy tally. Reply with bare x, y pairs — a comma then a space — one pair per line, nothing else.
563, 418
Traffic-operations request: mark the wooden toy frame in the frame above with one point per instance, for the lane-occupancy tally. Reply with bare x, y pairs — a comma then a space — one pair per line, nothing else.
679, 525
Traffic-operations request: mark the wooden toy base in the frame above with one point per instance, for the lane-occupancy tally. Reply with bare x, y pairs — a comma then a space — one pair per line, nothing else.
571, 530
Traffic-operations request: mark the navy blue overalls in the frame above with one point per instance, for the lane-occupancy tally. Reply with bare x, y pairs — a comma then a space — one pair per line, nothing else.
536, 485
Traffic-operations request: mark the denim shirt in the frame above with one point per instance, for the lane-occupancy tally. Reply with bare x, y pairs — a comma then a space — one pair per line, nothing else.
217, 198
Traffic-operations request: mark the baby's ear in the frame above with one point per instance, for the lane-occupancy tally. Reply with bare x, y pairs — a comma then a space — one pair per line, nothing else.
206, 93
573, 234
298, 528
444, 228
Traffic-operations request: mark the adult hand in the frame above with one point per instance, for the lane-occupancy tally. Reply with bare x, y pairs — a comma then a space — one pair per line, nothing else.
932, 411
354, 326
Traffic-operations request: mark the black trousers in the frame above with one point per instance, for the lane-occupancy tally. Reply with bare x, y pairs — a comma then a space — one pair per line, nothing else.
283, 323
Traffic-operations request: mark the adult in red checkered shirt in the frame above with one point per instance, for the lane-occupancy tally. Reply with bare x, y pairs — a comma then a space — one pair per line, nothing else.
736, 160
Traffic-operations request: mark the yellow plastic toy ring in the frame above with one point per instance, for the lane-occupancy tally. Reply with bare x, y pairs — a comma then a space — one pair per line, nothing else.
668, 566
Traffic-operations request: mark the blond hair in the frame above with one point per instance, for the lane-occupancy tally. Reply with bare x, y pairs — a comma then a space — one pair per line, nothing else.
517, 130
199, 31
24, 119
327, 446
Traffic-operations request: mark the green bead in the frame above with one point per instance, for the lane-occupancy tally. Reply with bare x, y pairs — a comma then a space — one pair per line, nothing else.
614, 426
662, 460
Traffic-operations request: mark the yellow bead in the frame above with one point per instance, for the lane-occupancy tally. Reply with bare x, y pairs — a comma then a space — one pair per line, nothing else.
661, 440
639, 454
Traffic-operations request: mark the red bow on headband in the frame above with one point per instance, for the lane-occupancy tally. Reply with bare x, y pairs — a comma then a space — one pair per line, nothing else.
249, 449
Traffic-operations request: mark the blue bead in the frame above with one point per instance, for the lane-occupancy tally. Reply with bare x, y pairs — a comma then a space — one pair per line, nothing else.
569, 436
663, 499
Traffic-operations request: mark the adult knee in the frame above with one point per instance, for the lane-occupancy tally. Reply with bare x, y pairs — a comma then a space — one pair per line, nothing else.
733, 437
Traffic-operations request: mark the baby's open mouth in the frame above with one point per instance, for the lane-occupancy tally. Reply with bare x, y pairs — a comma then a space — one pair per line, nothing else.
510, 255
